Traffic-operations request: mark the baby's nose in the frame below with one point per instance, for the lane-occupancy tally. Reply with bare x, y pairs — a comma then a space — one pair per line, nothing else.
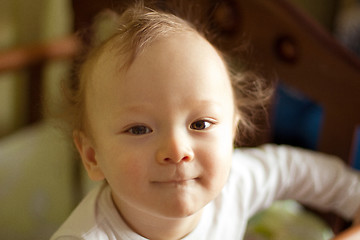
174, 150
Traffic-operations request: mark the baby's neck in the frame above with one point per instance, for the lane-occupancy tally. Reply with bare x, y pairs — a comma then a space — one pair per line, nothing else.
168, 229
159, 228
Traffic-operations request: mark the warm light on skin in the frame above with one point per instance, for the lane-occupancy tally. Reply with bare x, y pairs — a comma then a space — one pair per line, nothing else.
163, 133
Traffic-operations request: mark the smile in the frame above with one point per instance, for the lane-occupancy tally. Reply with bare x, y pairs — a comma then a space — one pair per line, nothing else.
176, 182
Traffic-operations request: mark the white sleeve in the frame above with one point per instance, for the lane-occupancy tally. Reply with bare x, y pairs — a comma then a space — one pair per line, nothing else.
273, 172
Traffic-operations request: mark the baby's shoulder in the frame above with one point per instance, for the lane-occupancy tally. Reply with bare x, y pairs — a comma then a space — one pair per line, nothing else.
82, 220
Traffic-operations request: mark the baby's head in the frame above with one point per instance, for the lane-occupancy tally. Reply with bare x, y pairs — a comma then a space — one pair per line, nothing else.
157, 110
136, 29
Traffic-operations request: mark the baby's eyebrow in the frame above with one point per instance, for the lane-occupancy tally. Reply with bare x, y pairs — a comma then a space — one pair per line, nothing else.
137, 108
206, 104
147, 107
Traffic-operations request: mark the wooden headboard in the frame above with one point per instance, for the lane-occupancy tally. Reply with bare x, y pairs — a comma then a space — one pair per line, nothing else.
306, 57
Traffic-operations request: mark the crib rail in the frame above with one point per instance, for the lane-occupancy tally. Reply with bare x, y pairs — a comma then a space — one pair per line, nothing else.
21, 57
32, 59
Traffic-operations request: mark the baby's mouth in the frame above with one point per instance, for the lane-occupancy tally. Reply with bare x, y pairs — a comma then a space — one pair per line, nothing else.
176, 181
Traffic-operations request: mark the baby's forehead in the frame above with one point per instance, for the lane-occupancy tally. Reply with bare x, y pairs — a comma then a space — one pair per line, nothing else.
102, 61
118, 54
111, 60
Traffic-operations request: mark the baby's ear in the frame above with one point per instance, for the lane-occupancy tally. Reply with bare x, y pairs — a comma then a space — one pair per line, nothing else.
87, 153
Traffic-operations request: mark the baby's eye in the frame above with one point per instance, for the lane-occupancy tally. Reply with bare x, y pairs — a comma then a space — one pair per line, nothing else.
139, 130
201, 125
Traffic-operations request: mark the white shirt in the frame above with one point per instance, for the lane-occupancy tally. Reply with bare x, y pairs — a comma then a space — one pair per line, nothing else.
258, 177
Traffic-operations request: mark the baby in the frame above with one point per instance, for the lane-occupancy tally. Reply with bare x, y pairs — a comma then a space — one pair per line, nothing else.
155, 115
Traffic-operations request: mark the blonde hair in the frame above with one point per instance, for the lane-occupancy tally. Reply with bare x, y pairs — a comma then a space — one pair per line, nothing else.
138, 27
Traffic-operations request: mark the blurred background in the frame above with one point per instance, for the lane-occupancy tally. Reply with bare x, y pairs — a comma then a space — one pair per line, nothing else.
39, 178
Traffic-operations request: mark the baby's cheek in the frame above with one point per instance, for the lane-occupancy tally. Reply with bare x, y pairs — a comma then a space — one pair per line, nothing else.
216, 169
127, 179
133, 170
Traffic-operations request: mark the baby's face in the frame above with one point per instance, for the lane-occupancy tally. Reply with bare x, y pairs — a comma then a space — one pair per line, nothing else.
164, 129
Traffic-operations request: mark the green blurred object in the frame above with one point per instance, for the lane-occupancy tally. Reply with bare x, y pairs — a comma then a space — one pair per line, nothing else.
287, 220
